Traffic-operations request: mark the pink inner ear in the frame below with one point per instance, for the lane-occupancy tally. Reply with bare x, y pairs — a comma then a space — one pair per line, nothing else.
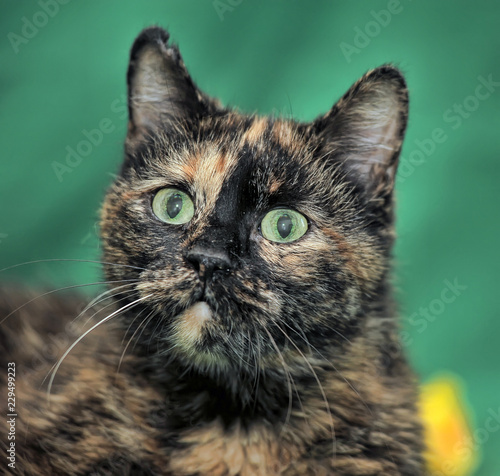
367, 125
161, 92
153, 89
378, 143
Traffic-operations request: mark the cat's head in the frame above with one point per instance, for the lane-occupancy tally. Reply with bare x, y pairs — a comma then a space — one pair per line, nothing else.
252, 239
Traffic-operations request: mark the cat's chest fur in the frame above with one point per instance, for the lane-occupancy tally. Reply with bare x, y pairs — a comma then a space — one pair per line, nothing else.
103, 421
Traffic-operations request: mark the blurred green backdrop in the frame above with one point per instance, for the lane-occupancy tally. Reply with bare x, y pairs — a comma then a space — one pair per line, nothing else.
63, 73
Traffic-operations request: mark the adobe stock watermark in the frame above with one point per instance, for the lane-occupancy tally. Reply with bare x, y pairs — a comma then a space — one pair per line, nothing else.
426, 315
30, 27
421, 319
93, 232
453, 117
372, 28
91, 139
3, 236
11, 414
225, 6
466, 448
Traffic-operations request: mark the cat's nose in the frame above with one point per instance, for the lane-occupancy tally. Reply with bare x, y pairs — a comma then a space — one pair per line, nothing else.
207, 261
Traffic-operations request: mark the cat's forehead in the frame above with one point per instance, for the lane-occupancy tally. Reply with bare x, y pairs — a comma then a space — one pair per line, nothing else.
235, 148
261, 135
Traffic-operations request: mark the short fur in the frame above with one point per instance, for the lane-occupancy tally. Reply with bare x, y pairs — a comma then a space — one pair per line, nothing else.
298, 369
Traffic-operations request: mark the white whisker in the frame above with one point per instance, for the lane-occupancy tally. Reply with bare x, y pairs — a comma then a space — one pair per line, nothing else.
72, 346
99, 299
143, 322
315, 375
90, 318
289, 379
74, 286
68, 259
303, 337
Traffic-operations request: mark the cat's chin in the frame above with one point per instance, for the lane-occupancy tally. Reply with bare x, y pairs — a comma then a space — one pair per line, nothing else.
190, 323
189, 326
188, 334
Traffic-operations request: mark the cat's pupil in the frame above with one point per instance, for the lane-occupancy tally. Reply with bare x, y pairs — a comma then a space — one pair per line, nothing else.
284, 225
174, 205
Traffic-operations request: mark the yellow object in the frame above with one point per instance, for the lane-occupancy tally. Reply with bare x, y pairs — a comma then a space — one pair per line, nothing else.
451, 450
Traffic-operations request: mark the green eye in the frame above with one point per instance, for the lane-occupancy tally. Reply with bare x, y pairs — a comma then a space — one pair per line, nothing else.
283, 225
173, 206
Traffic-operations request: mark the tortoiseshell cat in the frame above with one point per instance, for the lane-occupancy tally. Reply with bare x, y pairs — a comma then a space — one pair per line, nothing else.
253, 331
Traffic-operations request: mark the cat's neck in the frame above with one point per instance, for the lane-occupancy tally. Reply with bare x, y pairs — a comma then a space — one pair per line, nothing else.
336, 380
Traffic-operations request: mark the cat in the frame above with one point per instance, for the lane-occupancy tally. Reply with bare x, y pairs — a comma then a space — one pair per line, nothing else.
249, 327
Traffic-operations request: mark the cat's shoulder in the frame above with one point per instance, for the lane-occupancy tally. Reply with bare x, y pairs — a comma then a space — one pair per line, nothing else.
99, 409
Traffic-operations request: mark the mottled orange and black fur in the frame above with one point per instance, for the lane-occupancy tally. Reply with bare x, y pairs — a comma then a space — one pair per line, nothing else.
296, 369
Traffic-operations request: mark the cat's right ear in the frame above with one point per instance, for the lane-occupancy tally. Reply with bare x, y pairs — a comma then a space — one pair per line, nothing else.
161, 94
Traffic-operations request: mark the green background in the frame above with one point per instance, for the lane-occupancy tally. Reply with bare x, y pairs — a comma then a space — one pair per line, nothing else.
288, 57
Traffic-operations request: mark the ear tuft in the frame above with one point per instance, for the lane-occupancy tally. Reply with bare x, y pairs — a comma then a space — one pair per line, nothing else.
153, 34
365, 129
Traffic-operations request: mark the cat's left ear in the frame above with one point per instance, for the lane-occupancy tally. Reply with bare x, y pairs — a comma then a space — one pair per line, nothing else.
161, 94
365, 129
